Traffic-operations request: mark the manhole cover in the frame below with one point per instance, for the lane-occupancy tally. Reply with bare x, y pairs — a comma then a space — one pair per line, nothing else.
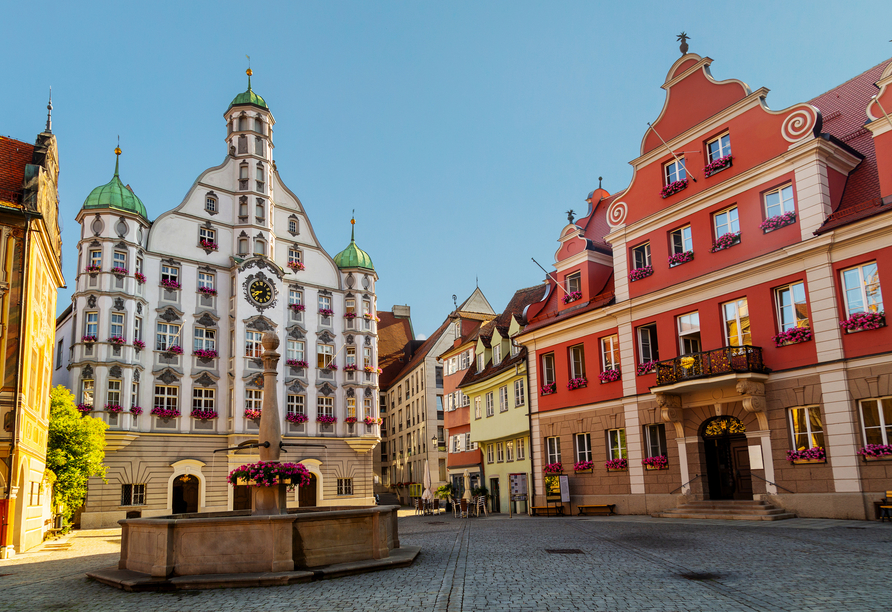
700, 576
436, 522
563, 551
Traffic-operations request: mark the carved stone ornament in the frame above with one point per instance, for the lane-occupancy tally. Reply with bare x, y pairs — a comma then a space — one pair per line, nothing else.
260, 323
119, 304
205, 381
297, 333
91, 301
368, 392
121, 227
368, 341
261, 263
366, 283
137, 375
350, 339
349, 295
139, 307
295, 286
670, 410
296, 387
256, 382
324, 292
209, 225
169, 315
754, 400
243, 234
87, 372
351, 392
350, 281
97, 225
139, 237
207, 269
257, 363
326, 389
206, 320
168, 377
95, 243
170, 262
325, 335
121, 245
115, 371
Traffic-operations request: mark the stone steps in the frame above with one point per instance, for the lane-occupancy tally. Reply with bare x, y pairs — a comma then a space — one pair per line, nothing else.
734, 510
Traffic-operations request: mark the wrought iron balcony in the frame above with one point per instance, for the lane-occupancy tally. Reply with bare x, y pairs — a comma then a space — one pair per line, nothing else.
706, 364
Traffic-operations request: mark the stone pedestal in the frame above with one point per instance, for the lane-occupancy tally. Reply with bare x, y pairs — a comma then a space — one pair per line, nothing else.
269, 500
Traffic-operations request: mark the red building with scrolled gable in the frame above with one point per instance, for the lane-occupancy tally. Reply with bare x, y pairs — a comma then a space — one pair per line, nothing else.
714, 334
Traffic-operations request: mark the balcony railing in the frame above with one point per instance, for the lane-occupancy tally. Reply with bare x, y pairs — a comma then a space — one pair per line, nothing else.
706, 364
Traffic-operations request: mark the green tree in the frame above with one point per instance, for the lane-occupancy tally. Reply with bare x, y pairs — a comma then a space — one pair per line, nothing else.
75, 450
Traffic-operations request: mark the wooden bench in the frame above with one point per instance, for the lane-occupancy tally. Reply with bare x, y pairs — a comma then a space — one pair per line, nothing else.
596, 509
547, 510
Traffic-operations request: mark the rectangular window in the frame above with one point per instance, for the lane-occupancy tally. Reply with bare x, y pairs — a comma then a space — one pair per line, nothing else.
718, 148
862, 289
170, 274
253, 399
521, 447
792, 307
325, 406
610, 352
324, 302
779, 201
807, 428
577, 361
465, 360
295, 297
210, 204
689, 333
119, 260
137, 328
553, 449
737, 323
113, 394
583, 447
497, 354
509, 450
500, 453
345, 486
503, 398
655, 440
91, 324
477, 402
296, 404
204, 339
366, 357
726, 222
295, 350
351, 407
324, 355
166, 398
253, 348
490, 409
60, 351
87, 387
205, 280
616, 440
117, 324
207, 236
519, 399
681, 240
166, 336
490, 453
876, 420
96, 258
674, 171
133, 495
294, 256
134, 394
641, 256
573, 282
480, 362
203, 399
647, 343
351, 356
548, 369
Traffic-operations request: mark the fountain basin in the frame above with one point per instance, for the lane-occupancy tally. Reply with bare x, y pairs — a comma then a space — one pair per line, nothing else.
234, 543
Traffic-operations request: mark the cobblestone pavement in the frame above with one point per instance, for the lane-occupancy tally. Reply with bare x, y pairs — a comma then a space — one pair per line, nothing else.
498, 564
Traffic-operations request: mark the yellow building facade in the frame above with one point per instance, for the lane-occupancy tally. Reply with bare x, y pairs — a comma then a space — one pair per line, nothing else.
30, 275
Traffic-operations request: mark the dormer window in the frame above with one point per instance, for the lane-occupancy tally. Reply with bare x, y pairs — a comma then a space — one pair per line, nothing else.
292, 227
674, 171
497, 354
480, 362
573, 282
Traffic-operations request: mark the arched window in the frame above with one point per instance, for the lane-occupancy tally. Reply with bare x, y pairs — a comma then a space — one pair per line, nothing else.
258, 125
242, 123
292, 226
259, 246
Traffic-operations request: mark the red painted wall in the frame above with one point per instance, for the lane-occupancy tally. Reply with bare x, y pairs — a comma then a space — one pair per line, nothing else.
870, 341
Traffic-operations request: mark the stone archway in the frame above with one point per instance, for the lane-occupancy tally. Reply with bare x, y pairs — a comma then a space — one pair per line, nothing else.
727, 458
184, 498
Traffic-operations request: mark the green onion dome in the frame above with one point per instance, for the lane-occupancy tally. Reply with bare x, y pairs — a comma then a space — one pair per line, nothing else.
248, 97
115, 194
353, 256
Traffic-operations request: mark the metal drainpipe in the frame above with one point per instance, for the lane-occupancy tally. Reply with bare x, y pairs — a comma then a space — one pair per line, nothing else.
23, 299
530, 419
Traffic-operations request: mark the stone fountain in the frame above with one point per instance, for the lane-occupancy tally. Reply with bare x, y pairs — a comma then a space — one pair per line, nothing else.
270, 546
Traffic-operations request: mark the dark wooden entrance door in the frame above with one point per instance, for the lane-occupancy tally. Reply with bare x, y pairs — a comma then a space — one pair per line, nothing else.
495, 503
742, 475
306, 496
241, 497
185, 495
728, 467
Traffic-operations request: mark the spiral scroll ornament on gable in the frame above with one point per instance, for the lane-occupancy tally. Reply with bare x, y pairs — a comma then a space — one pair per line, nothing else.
616, 214
800, 123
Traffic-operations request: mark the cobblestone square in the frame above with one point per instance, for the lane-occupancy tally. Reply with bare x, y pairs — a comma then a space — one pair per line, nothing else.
497, 563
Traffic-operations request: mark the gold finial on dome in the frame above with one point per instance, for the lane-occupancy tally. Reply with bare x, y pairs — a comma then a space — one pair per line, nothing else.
118, 148
249, 72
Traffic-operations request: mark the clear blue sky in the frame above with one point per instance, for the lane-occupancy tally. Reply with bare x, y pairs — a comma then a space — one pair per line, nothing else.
459, 131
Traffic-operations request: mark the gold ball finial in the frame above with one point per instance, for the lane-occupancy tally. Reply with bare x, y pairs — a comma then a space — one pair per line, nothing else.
249, 72
352, 221
117, 150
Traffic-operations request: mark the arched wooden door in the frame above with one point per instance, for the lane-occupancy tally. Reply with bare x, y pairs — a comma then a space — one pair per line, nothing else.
185, 494
306, 496
727, 459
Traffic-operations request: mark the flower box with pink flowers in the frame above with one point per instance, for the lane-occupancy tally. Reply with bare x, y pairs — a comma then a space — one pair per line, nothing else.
349, 315
270, 474
138, 344
716, 166
136, 410
372, 370
297, 307
673, 188
89, 339
548, 388
296, 266
676, 259
326, 419
174, 349
205, 353
165, 413
645, 368
659, 462
572, 296
794, 335
577, 383
93, 269
114, 408
583, 467
863, 321
876, 452
296, 417
207, 291
85, 408
118, 271
140, 277
772, 223
326, 312
815, 454
372, 421
351, 367
208, 245
117, 340
640, 273
725, 241
252, 415
350, 420
203, 415
616, 465
297, 363
170, 284
554, 468
609, 376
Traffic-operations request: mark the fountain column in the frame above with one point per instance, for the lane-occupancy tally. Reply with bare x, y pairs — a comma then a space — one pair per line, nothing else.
270, 500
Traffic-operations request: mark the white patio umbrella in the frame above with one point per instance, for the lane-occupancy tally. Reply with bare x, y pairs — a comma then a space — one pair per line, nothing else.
427, 494
467, 494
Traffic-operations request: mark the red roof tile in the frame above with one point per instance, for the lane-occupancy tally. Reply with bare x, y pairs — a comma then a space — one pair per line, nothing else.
14, 156
394, 333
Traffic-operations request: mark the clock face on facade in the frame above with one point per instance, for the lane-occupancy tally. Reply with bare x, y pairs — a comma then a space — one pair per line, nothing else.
260, 292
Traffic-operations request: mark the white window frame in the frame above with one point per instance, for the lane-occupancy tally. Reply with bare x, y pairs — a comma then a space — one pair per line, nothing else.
119, 259
573, 282
685, 239
509, 450
206, 233
519, 393
210, 204
521, 447
610, 357
96, 257
204, 338
884, 425
167, 335
649, 432
295, 349
688, 335
113, 391
166, 397
788, 314
641, 255
477, 403
736, 313
490, 453
490, 407
786, 201
324, 355
204, 398
253, 399
296, 404
206, 279
861, 288
577, 361
648, 349
548, 372
497, 354
673, 171
503, 398
345, 486
253, 346
583, 444
170, 273
117, 324
729, 226
553, 449
617, 445
724, 147
91, 324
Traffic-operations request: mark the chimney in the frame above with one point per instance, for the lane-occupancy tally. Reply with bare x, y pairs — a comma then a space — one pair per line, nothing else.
401, 311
